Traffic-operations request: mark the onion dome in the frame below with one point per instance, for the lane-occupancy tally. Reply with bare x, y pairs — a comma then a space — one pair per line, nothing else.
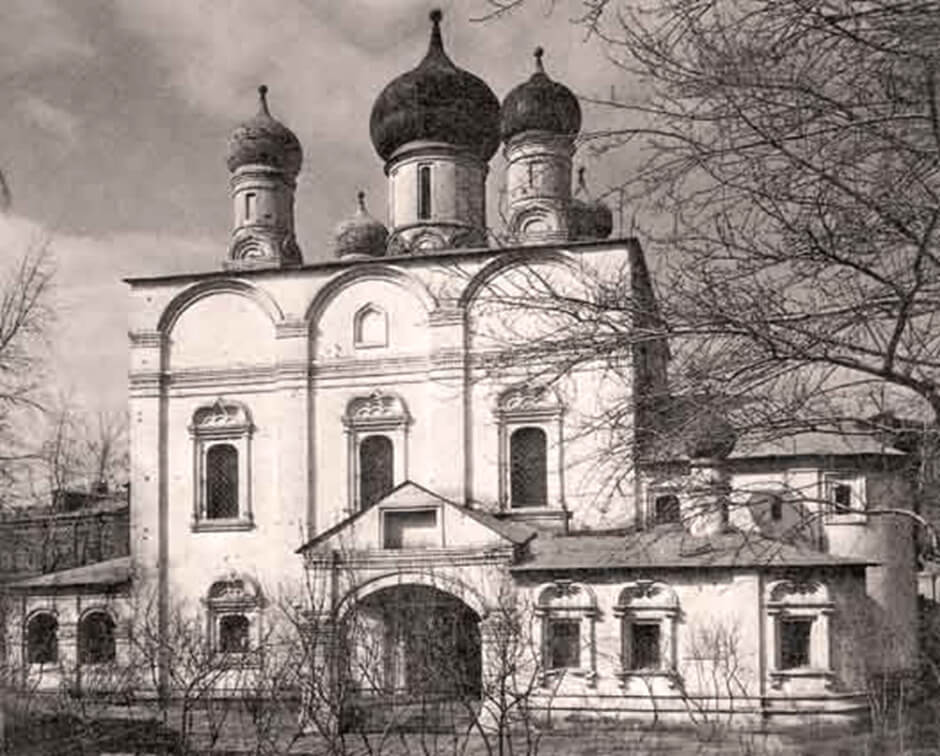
589, 218
540, 104
362, 234
263, 140
708, 434
437, 101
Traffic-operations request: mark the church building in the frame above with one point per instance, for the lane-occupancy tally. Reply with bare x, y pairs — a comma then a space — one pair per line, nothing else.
407, 439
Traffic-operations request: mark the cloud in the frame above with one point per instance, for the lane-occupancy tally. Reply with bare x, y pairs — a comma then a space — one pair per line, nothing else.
58, 122
42, 33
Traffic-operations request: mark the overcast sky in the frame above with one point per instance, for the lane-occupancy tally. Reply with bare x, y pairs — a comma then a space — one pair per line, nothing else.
116, 115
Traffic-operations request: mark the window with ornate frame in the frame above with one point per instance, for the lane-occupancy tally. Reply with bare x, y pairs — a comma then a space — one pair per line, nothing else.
797, 631
371, 463
648, 611
221, 434
234, 607
370, 327
566, 613
530, 449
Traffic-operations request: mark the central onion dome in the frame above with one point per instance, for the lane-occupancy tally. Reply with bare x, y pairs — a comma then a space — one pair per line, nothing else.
437, 101
362, 234
263, 140
540, 104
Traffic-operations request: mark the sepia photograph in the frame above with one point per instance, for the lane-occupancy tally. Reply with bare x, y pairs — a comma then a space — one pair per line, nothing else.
473, 378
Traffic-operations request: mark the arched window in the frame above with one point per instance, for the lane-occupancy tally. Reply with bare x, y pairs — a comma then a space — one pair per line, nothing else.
221, 482
376, 469
370, 327
42, 639
221, 435
527, 473
96, 639
233, 634
424, 192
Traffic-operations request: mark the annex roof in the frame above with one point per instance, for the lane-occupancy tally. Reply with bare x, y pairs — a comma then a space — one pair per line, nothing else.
102, 574
410, 495
673, 548
834, 442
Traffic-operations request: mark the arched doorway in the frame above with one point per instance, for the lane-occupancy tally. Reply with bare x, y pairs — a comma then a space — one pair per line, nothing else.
414, 650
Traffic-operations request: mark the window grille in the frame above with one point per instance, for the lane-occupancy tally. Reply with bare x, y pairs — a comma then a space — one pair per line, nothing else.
376, 469
222, 482
527, 461
645, 648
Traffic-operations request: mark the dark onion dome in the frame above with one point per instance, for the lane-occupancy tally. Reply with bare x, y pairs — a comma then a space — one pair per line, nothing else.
588, 218
362, 234
263, 140
540, 104
436, 102
708, 434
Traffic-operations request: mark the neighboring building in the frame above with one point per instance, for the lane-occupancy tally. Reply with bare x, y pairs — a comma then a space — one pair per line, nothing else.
386, 414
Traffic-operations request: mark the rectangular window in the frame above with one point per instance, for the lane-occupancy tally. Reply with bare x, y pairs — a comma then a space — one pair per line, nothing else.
841, 497
794, 642
414, 529
844, 493
666, 509
251, 205
563, 643
424, 192
645, 650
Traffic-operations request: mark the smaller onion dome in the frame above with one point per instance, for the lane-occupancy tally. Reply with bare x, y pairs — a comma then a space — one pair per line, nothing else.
263, 140
436, 101
362, 234
589, 218
540, 104
710, 435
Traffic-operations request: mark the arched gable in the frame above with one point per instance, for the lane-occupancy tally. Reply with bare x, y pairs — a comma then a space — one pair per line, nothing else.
189, 296
507, 261
366, 272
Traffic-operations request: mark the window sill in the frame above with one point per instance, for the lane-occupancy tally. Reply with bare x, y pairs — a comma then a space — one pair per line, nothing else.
779, 676
557, 674
235, 660
222, 526
846, 518
625, 675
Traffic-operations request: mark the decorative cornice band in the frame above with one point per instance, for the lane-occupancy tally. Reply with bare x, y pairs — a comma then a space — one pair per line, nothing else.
291, 329
147, 339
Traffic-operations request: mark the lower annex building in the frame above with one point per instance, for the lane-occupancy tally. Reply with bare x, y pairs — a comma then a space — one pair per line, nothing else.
387, 434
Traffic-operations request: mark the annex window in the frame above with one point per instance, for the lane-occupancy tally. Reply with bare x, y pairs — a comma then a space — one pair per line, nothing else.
647, 612
233, 633
567, 613
530, 432
410, 529
221, 448
795, 633
844, 496
96, 642
377, 433
424, 192
666, 509
798, 621
234, 606
42, 639
370, 328
527, 463
376, 469
563, 643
